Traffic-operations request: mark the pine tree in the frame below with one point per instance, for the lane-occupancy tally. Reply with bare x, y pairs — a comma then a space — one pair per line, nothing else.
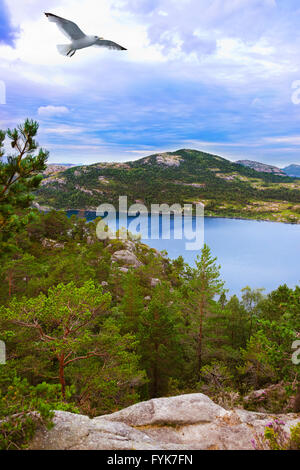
160, 347
250, 300
20, 174
19, 271
132, 303
237, 327
204, 285
63, 322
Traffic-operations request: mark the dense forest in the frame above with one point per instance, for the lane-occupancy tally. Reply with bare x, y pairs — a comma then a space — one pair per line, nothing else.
186, 176
87, 333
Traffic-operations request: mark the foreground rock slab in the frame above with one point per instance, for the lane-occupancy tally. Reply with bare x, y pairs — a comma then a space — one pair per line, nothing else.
185, 422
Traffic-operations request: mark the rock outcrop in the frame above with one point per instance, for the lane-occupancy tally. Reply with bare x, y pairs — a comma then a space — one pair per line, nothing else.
154, 282
169, 159
48, 243
127, 258
186, 422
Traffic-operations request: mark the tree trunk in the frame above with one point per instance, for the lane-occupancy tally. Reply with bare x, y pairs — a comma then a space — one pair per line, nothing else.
297, 401
9, 284
200, 338
155, 374
62, 375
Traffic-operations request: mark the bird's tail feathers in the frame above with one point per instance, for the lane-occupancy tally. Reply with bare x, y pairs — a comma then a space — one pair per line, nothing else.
64, 49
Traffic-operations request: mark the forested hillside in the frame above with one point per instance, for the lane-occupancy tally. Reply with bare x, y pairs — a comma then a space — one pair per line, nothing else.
90, 330
186, 176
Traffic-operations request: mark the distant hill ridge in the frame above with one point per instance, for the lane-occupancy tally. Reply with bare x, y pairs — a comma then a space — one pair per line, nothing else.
292, 170
262, 167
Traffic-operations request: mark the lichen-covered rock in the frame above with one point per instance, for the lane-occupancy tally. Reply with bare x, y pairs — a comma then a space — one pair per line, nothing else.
169, 159
130, 245
77, 432
183, 409
127, 258
187, 422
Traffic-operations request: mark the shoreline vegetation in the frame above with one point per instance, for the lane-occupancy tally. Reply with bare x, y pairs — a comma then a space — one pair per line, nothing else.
210, 215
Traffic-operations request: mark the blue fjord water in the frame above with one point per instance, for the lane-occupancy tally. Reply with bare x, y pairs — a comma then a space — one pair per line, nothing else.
257, 254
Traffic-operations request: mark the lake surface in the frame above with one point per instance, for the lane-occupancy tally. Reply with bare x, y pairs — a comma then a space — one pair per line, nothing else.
257, 254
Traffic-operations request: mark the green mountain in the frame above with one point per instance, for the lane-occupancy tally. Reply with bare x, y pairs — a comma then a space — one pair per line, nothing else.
292, 170
186, 176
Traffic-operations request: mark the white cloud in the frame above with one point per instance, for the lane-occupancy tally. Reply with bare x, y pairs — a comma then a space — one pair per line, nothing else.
50, 111
290, 139
195, 70
63, 129
236, 40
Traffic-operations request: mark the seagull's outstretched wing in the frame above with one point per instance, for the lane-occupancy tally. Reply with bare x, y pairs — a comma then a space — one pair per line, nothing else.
109, 45
68, 28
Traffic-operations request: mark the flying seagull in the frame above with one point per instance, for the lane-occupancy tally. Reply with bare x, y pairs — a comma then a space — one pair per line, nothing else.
79, 40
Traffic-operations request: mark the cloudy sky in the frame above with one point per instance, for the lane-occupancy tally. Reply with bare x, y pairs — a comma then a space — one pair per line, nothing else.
215, 75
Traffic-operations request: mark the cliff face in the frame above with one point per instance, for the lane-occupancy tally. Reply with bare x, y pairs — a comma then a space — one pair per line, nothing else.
186, 422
